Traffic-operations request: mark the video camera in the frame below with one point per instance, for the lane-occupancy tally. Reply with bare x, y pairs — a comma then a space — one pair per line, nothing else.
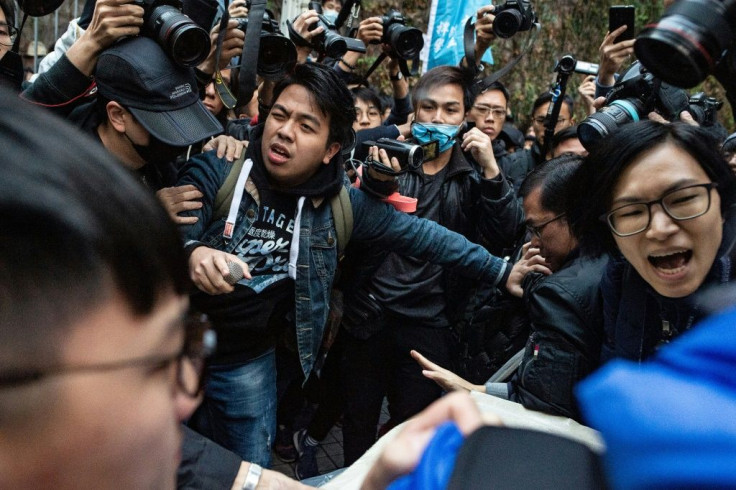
512, 17
183, 40
408, 154
406, 42
276, 54
330, 43
634, 96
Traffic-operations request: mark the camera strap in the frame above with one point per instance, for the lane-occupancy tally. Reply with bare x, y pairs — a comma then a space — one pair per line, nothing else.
351, 10
469, 44
249, 58
223, 92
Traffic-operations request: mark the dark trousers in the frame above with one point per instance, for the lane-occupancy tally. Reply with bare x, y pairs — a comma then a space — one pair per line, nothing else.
382, 366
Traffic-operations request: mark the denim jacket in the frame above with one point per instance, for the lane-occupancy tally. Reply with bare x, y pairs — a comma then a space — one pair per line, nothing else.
374, 222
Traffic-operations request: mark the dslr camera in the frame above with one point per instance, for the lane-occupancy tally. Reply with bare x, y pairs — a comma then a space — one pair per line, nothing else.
276, 54
637, 94
181, 38
409, 155
406, 42
512, 17
330, 43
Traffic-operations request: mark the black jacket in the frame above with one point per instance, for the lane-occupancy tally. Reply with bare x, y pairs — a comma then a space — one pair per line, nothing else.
566, 320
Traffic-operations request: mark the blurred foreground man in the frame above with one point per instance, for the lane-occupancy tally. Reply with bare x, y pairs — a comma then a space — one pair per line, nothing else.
97, 370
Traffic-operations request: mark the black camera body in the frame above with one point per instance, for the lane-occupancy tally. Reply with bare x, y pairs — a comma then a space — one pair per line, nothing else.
637, 94
181, 38
406, 42
513, 16
330, 43
408, 154
276, 52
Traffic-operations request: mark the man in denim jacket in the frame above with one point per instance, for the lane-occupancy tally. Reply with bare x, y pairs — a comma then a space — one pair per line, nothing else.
280, 231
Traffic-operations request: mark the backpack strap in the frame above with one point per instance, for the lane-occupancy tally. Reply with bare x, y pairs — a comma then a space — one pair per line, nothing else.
342, 213
225, 194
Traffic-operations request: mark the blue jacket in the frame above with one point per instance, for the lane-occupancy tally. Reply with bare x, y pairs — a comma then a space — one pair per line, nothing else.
670, 422
375, 223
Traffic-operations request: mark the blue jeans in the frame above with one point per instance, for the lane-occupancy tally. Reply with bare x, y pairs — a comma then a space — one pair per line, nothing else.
239, 408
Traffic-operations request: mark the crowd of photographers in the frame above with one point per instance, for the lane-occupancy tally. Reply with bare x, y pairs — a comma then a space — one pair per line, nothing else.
350, 246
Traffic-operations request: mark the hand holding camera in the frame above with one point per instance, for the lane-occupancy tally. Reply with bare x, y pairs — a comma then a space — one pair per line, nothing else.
232, 46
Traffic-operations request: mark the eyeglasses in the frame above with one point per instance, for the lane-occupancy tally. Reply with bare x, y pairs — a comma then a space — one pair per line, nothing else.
679, 204
537, 230
199, 343
541, 119
7, 34
484, 110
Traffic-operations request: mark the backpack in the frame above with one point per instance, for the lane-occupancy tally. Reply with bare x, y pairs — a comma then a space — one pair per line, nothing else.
342, 210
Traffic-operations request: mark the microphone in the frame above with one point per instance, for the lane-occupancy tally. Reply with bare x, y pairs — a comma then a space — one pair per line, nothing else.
235, 274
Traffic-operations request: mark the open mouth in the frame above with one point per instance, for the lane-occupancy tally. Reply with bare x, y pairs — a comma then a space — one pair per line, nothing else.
671, 263
279, 153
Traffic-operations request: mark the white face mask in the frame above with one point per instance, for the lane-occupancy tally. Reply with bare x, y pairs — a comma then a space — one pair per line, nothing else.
330, 15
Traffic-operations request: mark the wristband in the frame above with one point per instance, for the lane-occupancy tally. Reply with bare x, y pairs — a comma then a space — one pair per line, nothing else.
352, 67
397, 77
253, 477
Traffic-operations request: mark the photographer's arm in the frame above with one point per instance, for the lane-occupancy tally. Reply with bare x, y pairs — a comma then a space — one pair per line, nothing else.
370, 31
232, 46
301, 26
70, 77
484, 35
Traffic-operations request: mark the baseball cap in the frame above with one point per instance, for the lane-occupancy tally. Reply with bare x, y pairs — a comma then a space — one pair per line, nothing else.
162, 95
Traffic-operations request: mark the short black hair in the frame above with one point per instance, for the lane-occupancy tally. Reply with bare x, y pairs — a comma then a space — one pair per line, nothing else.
603, 166
368, 95
568, 133
555, 176
331, 96
77, 227
439, 77
494, 86
547, 97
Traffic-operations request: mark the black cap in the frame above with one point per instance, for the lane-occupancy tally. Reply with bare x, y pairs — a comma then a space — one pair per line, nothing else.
162, 95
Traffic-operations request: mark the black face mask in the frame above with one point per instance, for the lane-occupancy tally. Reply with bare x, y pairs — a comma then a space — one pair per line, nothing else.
156, 151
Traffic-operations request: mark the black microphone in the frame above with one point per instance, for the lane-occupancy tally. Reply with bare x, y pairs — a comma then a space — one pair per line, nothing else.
235, 274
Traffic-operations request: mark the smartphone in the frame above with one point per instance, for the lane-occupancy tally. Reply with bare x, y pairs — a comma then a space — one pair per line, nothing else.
619, 15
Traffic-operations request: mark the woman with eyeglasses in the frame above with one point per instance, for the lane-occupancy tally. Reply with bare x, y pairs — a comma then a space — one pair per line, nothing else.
659, 198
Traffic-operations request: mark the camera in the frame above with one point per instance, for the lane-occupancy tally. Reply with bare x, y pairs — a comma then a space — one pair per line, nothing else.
409, 155
330, 43
704, 109
181, 38
276, 53
689, 41
634, 96
586, 68
512, 17
406, 42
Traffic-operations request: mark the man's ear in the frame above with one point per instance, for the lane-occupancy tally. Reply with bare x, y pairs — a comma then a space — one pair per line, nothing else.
331, 151
116, 115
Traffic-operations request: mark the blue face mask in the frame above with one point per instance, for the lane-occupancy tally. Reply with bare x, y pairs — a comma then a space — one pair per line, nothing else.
443, 134
330, 15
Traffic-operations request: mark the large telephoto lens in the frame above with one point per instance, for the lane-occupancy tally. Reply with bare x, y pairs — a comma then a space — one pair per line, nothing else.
334, 45
599, 125
183, 40
407, 42
685, 45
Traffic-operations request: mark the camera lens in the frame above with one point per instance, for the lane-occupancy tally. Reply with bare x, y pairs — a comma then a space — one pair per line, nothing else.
407, 42
685, 45
599, 125
276, 56
182, 39
507, 23
335, 45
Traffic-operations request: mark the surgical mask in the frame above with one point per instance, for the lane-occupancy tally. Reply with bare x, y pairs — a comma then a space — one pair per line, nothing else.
156, 151
330, 15
443, 134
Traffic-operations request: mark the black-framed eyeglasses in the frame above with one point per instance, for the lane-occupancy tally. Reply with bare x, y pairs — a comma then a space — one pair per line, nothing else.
537, 230
199, 343
679, 204
7, 34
